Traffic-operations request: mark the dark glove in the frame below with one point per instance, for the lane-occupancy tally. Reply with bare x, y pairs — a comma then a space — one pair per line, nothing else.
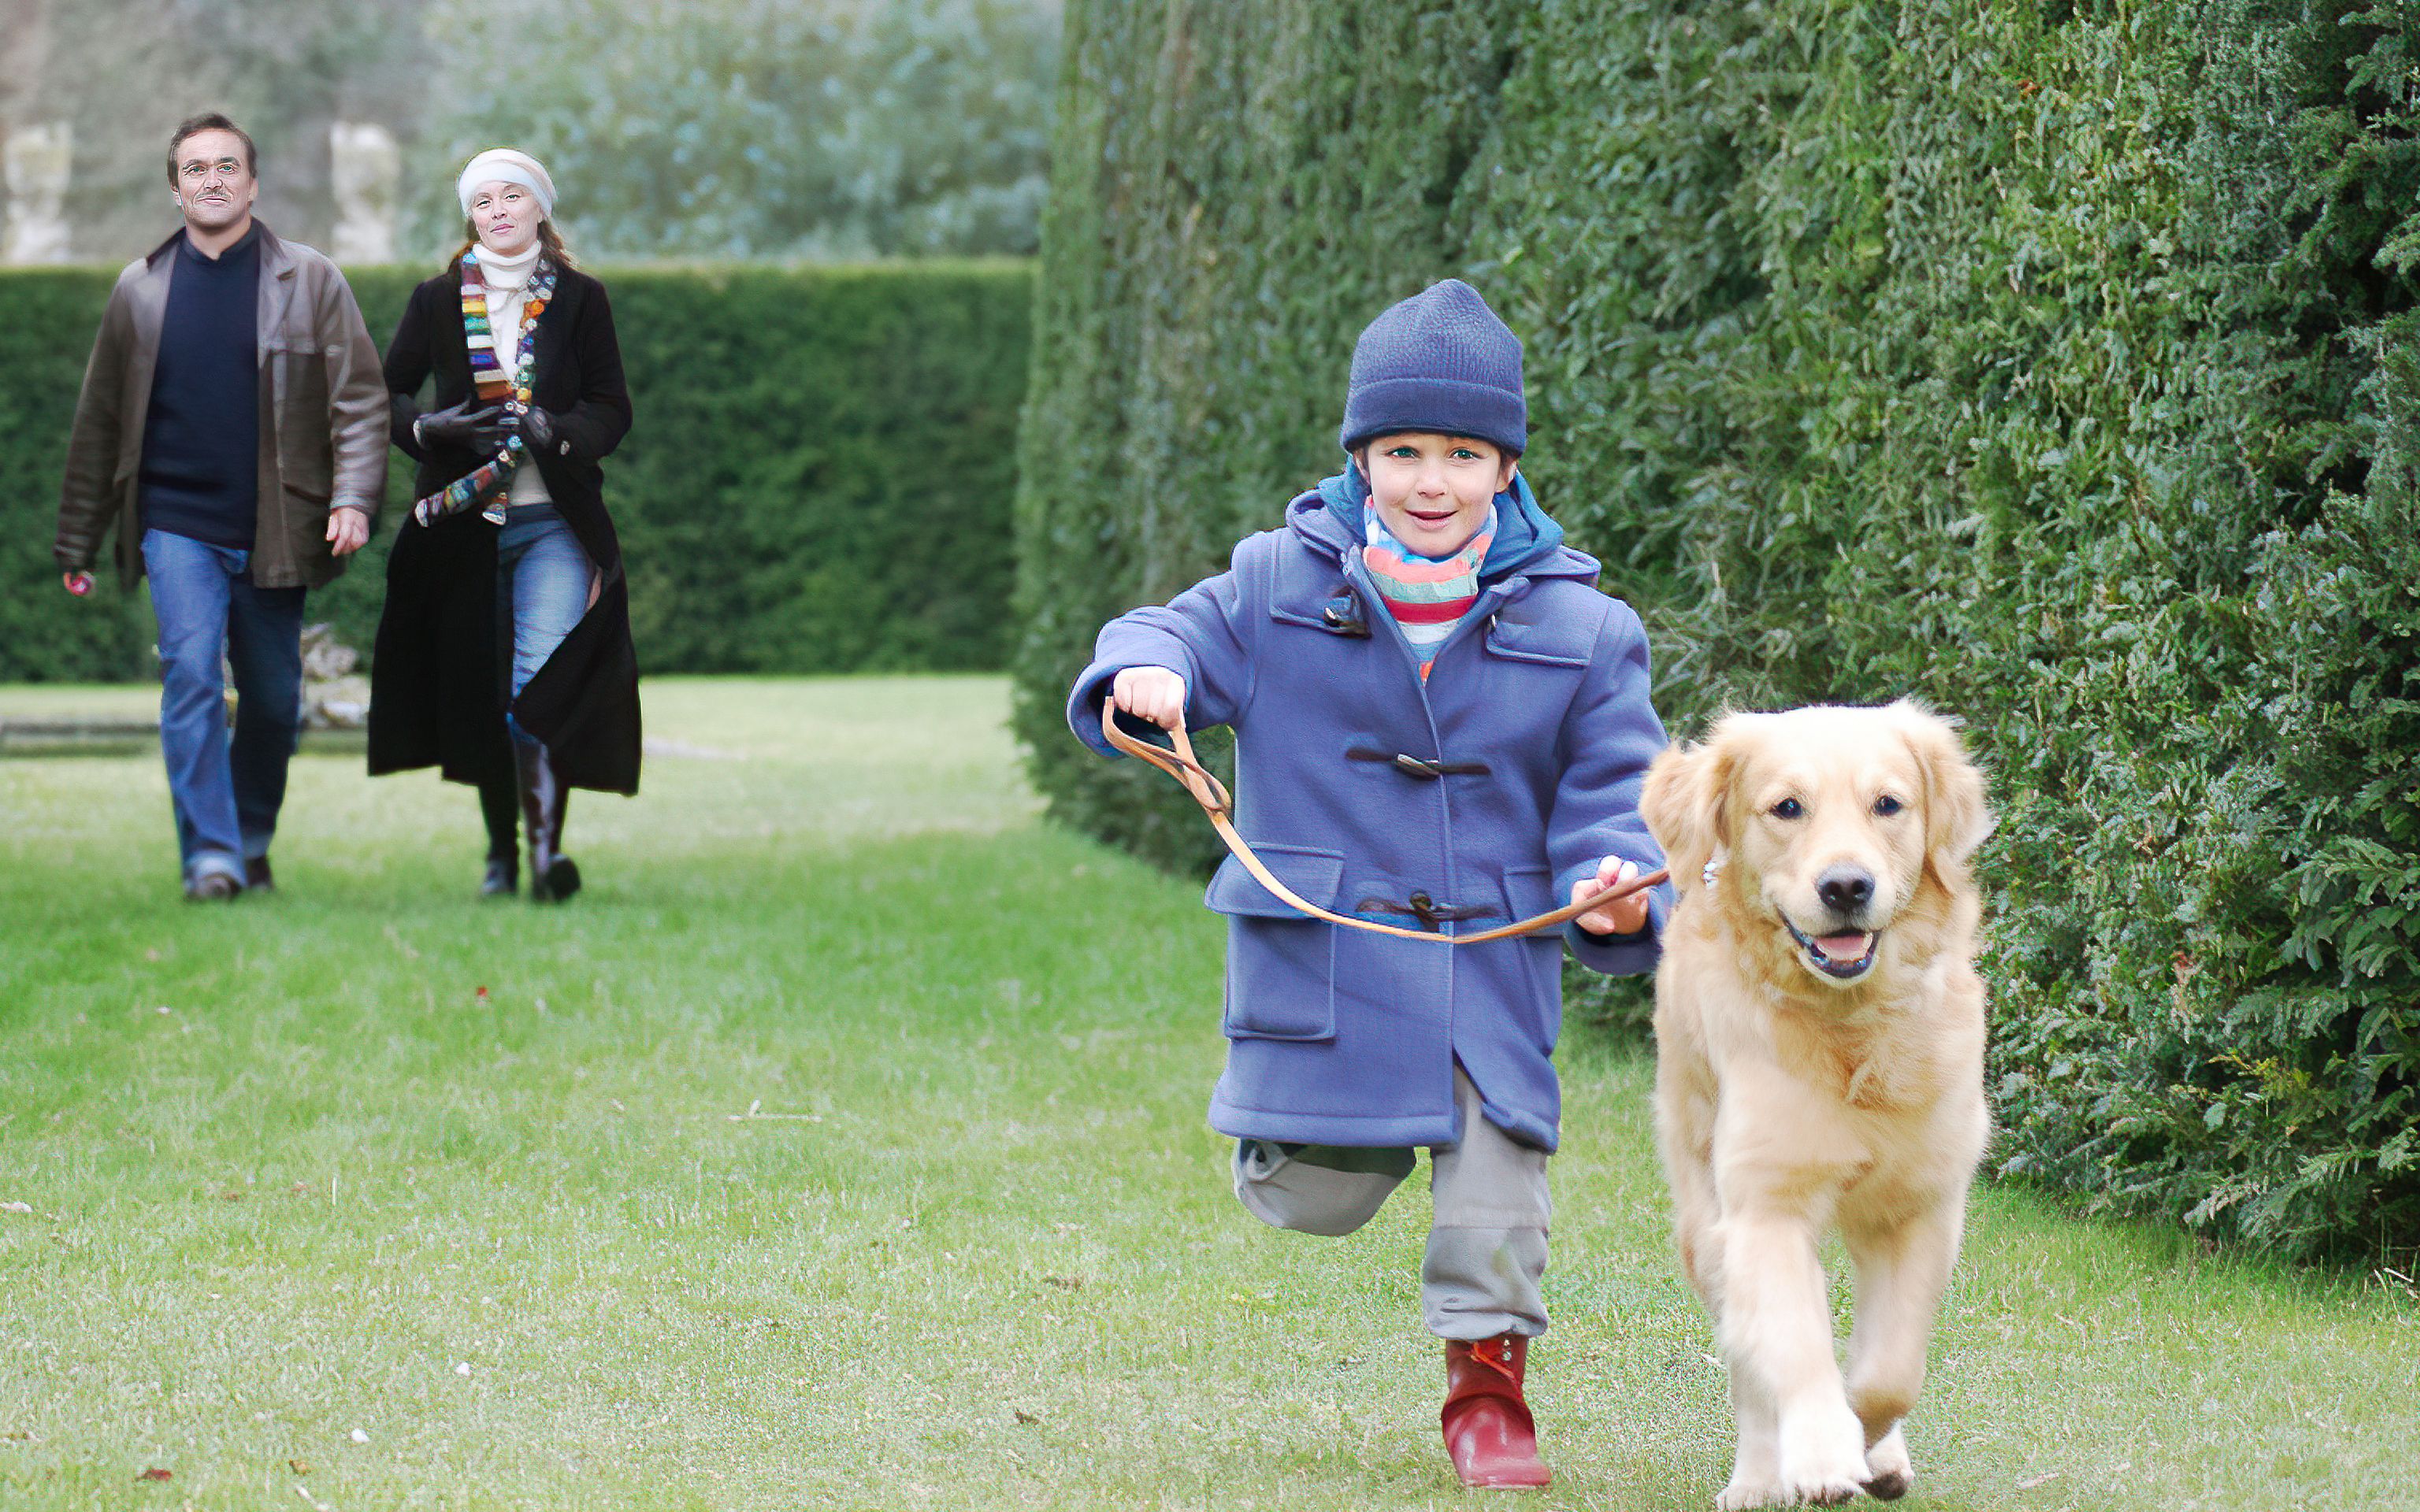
538, 434
535, 428
457, 424
489, 439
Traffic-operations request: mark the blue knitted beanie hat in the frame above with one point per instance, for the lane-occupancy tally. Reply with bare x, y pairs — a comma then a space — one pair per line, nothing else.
1439, 362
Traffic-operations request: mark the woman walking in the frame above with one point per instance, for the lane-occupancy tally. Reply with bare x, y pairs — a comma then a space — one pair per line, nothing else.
504, 656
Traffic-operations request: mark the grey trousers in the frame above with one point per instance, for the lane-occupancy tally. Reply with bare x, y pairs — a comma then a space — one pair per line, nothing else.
1487, 1242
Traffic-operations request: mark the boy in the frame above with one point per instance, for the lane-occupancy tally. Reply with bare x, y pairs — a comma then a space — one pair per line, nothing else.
1438, 719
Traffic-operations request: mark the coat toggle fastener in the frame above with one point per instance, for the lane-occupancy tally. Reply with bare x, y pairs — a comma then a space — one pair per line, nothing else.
1419, 905
1418, 766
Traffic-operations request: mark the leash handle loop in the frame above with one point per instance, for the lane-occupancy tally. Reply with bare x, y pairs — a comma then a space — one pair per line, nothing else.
1177, 760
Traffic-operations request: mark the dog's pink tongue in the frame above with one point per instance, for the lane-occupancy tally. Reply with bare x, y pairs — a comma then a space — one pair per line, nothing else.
1843, 946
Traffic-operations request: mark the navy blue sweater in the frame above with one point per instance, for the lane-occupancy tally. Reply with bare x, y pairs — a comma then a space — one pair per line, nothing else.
201, 441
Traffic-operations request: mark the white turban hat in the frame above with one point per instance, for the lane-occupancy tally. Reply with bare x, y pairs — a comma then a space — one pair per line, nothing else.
504, 164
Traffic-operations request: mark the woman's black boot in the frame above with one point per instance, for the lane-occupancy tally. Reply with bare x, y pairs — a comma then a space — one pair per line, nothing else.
499, 808
552, 875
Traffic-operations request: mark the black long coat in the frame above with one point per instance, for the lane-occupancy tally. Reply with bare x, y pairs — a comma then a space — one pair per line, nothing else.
441, 684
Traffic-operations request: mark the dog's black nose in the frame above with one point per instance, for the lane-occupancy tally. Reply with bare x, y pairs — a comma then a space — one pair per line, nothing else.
1844, 889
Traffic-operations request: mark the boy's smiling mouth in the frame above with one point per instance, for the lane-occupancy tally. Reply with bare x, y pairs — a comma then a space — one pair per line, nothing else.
1430, 531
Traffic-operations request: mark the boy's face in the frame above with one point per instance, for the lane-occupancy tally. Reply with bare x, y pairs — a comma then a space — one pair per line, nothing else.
1433, 491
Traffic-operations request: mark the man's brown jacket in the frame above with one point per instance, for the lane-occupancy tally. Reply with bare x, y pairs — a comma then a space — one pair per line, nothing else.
323, 417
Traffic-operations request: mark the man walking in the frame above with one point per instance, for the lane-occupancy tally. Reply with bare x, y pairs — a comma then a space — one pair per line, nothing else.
234, 426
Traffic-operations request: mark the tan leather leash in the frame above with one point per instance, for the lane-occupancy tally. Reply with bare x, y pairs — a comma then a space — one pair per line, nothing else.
1212, 795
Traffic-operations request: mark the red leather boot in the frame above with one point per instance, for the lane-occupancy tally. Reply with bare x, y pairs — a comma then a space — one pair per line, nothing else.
1488, 1431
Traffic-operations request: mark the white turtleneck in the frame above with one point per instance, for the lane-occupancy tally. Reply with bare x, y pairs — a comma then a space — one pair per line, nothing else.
507, 280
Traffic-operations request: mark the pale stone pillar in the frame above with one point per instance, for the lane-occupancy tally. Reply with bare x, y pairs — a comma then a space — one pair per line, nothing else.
36, 168
363, 168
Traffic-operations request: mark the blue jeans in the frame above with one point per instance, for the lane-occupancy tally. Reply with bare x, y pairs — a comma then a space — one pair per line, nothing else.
542, 576
227, 792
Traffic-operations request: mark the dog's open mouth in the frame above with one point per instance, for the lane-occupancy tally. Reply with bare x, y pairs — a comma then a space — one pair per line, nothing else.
1844, 956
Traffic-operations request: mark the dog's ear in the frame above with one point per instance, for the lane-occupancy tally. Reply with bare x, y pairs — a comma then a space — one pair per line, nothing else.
1957, 818
1687, 808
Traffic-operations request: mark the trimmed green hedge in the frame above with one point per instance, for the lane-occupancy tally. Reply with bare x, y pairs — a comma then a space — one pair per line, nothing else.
818, 480
2055, 364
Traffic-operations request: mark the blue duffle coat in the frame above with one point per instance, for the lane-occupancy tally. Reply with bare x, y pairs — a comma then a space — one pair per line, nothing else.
1491, 788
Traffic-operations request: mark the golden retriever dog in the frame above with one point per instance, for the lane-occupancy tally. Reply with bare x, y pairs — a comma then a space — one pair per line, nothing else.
1818, 1040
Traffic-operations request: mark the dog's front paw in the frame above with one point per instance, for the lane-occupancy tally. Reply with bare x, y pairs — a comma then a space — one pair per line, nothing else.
1823, 1457
1741, 1495
1823, 1493
1890, 1471
1744, 1495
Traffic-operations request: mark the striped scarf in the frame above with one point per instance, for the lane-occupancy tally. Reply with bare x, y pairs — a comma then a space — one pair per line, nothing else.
1427, 596
492, 480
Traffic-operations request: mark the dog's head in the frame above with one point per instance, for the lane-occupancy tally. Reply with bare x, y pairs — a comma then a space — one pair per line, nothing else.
1830, 823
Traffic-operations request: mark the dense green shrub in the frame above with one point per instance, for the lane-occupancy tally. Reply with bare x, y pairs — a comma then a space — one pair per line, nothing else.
818, 480
2053, 364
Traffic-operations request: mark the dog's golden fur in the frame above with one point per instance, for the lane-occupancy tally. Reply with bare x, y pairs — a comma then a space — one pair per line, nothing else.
1801, 1086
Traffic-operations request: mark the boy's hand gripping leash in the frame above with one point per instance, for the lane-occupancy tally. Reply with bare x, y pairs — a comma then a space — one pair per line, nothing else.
1212, 795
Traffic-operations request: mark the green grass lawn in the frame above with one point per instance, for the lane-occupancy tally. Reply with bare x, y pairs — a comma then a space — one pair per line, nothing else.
79, 701
842, 1144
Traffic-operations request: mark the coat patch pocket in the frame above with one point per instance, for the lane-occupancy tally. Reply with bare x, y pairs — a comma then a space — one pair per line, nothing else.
1281, 965
1556, 642
299, 370
298, 390
1530, 892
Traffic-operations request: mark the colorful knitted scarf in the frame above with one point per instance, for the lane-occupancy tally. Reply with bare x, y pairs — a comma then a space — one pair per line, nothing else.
493, 479
1428, 595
